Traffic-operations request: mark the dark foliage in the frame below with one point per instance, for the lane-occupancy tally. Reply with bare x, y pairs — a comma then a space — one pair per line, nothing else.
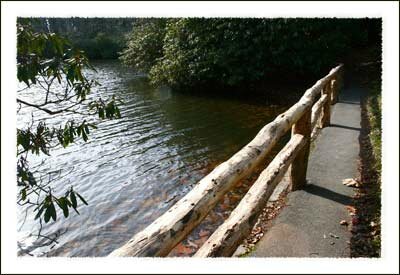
99, 38
235, 51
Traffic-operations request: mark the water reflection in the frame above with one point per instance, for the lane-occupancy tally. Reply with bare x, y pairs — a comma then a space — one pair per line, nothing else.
133, 169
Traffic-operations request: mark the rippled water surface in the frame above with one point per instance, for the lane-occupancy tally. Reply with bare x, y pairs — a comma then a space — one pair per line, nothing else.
133, 169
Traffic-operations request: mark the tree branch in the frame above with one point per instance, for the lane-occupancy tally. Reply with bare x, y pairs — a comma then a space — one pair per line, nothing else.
51, 112
39, 107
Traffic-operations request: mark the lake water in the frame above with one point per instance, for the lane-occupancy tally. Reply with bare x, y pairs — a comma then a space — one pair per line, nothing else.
133, 169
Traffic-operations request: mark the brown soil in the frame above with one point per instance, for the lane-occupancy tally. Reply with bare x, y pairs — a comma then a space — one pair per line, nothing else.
264, 222
366, 226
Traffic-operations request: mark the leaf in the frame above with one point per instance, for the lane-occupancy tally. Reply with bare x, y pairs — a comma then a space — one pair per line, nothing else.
39, 212
117, 112
84, 136
23, 194
70, 74
101, 113
53, 212
350, 183
58, 43
23, 139
79, 130
204, 233
351, 209
63, 204
182, 249
81, 198
333, 236
73, 200
66, 211
71, 133
58, 78
47, 215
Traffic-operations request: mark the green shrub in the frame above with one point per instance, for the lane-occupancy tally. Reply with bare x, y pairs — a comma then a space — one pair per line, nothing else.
374, 108
233, 51
144, 44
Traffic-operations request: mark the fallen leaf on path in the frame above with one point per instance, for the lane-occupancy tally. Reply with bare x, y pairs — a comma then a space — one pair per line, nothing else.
182, 249
351, 209
350, 183
203, 233
256, 230
333, 235
192, 244
201, 241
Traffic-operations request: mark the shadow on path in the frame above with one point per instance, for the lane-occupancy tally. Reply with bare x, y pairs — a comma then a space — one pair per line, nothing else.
345, 127
328, 194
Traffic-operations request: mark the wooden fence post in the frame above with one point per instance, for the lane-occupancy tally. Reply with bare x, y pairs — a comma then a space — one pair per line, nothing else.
335, 91
298, 169
326, 109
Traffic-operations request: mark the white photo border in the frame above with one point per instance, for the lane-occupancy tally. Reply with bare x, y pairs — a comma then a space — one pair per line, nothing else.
388, 11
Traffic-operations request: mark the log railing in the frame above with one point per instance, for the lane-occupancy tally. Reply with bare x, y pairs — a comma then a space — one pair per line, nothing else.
310, 112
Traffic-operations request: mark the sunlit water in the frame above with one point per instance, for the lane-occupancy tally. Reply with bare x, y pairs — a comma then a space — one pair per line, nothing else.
133, 169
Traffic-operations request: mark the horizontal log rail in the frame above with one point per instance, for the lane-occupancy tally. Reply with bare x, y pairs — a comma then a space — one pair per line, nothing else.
161, 236
224, 241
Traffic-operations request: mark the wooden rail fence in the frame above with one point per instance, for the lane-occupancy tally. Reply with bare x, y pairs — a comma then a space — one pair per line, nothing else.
312, 111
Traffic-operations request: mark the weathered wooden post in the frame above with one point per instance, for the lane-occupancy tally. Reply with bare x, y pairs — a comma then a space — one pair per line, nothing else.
335, 90
326, 109
298, 169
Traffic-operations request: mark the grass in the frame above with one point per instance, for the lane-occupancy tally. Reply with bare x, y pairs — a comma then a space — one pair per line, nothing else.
364, 68
366, 238
374, 109
374, 112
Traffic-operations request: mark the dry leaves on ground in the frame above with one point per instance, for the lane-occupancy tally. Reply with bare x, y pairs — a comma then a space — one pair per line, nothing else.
351, 183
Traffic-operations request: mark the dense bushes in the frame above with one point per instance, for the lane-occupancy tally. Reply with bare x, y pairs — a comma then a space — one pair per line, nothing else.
145, 43
233, 51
